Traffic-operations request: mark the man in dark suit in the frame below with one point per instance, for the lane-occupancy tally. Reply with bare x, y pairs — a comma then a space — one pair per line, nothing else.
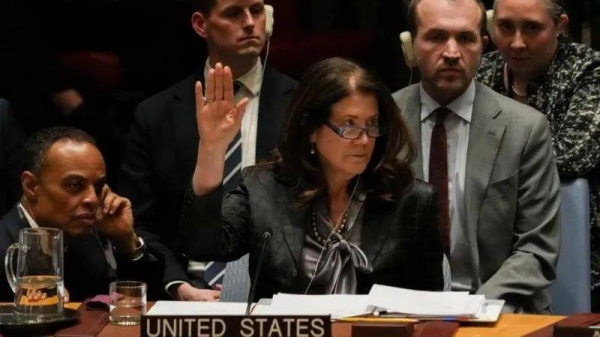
64, 187
490, 159
163, 146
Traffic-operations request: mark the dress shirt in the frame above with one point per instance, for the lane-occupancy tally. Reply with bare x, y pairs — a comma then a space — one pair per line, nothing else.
457, 126
30, 220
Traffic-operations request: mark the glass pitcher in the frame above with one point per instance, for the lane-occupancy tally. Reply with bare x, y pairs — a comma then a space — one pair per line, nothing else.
38, 279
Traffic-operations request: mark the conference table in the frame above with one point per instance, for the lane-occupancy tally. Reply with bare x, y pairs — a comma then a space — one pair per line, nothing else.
508, 325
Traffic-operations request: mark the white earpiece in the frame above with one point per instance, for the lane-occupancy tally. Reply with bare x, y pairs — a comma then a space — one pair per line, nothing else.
489, 21
269, 20
408, 49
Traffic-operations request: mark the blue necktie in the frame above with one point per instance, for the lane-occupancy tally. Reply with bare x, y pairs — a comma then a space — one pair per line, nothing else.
213, 274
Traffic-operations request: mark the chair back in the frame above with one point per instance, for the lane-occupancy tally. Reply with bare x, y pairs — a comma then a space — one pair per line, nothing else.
236, 281
571, 290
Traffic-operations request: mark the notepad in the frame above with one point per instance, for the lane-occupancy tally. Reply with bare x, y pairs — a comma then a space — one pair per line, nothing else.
425, 304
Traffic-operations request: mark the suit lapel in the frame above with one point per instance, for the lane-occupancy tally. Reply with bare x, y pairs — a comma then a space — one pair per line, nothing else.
184, 128
485, 137
412, 118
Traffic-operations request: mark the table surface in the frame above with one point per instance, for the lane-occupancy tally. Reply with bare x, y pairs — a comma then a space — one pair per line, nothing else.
507, 326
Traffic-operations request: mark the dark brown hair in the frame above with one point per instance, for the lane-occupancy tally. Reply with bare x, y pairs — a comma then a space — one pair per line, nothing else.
202, 6
325, 83
412, 17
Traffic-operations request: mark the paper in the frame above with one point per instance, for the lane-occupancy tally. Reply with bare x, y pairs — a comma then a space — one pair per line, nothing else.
337, 306
177, 308
489, 312
425, 303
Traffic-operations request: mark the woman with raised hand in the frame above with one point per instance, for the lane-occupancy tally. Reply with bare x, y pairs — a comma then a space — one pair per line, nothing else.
339, 198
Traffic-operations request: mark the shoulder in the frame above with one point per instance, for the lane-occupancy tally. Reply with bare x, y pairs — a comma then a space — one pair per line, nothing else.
279, 80
417, 198
4, 108
401, 96
259, 177
421, 192
488, 67
580, 61
9, 229
156, 104
516, 113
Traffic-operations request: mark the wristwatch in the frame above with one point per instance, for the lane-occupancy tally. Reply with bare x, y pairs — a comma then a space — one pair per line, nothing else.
139, 251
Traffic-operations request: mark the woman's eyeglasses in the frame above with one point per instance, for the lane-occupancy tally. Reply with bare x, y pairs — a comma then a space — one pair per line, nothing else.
354, 131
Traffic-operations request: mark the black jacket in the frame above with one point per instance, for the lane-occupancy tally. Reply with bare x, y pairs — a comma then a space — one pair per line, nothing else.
401, 239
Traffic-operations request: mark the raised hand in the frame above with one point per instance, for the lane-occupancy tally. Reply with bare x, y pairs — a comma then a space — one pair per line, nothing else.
218, 118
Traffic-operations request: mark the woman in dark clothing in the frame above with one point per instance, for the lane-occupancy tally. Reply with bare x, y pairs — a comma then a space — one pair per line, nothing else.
538, 65
339, 200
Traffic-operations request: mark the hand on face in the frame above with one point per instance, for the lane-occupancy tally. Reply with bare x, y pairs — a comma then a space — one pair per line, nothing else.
218, 118
115, 216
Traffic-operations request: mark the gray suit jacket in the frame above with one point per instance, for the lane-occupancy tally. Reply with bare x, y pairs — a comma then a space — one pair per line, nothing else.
511, 195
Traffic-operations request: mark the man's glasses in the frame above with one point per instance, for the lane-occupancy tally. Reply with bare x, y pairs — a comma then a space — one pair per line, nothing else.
354, 131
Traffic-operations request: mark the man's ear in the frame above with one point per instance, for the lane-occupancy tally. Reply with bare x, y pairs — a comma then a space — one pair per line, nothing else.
563, 23
29, 184
199, 24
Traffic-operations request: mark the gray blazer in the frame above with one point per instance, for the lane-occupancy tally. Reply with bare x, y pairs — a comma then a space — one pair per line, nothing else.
511, 195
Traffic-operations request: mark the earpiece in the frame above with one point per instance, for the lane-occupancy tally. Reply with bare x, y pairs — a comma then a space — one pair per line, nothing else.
269, 20
489, 16
408, 49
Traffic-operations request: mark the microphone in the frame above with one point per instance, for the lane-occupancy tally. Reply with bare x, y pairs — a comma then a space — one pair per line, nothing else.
266, 235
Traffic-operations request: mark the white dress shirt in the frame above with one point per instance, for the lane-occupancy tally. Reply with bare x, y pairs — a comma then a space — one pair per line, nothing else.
457, 126
30, 220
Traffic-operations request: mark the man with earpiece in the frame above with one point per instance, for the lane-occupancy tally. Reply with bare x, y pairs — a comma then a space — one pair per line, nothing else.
489, 157
163, 145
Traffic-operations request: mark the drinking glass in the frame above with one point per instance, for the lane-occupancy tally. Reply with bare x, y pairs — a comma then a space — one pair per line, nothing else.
127, 302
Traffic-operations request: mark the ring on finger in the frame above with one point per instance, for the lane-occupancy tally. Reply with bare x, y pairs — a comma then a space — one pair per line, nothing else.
208, 101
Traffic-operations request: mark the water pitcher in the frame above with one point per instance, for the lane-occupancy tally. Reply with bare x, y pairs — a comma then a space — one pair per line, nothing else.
38, 278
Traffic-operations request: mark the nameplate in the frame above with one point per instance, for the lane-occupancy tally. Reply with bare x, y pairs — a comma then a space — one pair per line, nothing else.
578, 325
229, 326
382, 329
576, 331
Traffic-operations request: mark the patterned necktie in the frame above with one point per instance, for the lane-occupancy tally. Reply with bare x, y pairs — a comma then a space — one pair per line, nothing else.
213, 274
438, 173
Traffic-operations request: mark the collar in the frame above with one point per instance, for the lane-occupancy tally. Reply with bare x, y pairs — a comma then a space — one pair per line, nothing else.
252, 80
462, 105
30, 220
